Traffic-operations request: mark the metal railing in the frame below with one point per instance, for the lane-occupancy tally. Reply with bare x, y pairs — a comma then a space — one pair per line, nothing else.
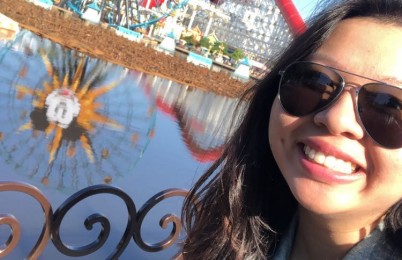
53, 220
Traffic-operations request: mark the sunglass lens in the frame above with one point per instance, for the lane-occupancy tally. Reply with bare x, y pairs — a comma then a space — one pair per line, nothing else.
307, 87
380, 110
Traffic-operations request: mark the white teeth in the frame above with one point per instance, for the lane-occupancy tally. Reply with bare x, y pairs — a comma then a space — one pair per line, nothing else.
329, 161
319, 158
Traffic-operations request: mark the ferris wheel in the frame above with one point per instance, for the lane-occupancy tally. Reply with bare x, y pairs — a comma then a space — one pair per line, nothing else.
72, 120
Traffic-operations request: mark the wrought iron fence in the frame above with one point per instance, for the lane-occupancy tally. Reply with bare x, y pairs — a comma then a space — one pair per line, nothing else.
52, 221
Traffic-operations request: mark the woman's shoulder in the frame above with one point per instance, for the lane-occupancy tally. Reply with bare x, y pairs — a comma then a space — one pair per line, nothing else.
375, 246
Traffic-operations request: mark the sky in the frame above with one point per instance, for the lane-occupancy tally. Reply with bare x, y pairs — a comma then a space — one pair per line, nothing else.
305, 7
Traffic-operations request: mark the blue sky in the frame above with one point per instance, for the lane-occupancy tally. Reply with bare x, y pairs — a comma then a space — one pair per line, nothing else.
305, 7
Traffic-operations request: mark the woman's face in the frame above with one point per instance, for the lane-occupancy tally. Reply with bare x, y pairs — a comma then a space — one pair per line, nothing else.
364, 47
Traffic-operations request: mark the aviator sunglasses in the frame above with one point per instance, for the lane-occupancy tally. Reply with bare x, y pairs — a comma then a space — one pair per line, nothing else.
306, 88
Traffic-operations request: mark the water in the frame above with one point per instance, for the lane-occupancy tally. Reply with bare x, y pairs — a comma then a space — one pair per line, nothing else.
69, 121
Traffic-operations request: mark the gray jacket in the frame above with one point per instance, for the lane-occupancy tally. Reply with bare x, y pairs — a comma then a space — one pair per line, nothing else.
374, 247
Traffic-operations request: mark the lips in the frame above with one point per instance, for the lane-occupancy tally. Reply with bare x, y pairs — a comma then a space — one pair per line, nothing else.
327, 163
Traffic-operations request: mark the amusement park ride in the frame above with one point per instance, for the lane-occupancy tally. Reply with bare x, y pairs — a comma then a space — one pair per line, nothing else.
130, 14
260, 28
260, 18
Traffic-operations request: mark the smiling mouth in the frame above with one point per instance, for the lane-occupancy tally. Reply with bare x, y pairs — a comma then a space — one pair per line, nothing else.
329, 161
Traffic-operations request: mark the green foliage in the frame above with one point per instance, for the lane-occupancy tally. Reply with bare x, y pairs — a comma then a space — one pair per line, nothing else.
238, 54
205, 43
220, 48
189, 40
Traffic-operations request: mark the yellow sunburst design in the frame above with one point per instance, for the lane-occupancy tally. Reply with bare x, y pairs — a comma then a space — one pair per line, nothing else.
86, 96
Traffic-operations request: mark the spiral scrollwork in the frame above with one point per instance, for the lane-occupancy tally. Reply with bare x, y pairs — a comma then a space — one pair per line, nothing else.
53, 222
14, 238
164, 222
12, 222
93, 219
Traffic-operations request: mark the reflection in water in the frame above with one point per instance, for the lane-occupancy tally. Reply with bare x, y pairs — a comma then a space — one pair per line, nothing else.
72, 121
66, 105
204, 118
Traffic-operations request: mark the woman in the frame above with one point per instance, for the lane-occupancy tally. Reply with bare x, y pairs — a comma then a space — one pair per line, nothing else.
314, 170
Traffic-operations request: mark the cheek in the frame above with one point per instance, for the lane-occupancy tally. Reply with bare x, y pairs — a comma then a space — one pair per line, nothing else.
279, 130
274, 124
385, 165
280, 124
384, 177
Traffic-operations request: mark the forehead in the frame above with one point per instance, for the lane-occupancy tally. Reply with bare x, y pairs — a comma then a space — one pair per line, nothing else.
364, 46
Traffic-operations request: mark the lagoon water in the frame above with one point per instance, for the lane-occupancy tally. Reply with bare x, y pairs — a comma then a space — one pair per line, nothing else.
69, 121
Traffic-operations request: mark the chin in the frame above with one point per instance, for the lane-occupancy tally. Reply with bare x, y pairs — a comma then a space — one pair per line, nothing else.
324, 202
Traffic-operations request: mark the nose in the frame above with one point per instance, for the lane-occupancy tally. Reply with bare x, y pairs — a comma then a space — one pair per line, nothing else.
340, 118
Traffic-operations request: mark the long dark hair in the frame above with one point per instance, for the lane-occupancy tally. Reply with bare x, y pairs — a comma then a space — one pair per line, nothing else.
240, 207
